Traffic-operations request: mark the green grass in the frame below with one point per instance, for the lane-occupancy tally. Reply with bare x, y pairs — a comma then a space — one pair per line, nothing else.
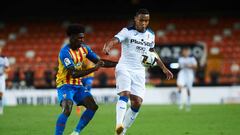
153, 120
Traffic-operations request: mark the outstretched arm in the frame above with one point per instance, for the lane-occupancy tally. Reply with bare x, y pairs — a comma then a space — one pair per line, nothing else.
80, 73
108, 46
108, 63
192, 66
167, 72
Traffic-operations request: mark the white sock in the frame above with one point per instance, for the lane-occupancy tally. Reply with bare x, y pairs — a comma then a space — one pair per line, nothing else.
1, 107
129, 119
179, 99
121, 108
188, 101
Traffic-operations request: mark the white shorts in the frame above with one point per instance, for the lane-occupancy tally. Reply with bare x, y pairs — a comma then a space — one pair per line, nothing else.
185, 80
130, 80
2, 83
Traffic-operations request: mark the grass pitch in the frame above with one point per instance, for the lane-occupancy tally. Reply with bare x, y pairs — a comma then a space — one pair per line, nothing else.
153, 120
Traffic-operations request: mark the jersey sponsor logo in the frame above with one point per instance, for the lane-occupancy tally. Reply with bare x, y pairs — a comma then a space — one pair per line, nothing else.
142, 42
67, 61
140, 49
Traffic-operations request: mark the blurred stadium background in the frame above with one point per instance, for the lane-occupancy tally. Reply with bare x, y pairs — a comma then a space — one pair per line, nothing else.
32, 33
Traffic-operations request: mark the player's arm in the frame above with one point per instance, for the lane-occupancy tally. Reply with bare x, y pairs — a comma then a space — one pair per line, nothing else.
7, 67
118, 38
75, 73
108, 46
167, 72
107, 63
69, 65
95, 59
193, 65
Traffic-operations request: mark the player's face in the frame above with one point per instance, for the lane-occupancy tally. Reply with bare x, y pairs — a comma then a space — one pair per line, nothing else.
76, 40
186, 52
141, 22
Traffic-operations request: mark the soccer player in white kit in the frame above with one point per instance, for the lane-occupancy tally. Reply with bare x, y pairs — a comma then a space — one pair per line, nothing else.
4, 67
185, 77
130, 73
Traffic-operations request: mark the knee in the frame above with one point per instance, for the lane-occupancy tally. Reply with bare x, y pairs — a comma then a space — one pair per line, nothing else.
67, 107
93, 107
136, 104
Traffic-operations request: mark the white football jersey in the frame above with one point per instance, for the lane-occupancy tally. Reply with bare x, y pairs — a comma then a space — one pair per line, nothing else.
3, 64
183, 62
133, 45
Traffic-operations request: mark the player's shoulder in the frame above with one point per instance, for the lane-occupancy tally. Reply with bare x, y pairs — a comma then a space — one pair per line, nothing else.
130, 28
3, 56
86, 47
191, 56
64, 49
150, 31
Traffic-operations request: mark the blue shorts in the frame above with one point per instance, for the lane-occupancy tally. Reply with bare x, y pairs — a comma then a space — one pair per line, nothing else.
74, 93
87, 82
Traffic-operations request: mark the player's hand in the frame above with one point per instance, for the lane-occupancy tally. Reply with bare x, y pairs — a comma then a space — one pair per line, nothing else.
99, 64
106, 49
168, 73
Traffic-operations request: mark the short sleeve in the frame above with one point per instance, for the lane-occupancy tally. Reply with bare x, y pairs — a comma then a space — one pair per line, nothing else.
122, 35
194, 61
180, 62
91, 55
153, 42
66, 58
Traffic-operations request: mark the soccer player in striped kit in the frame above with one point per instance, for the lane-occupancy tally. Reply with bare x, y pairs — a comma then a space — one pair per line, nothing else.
69, 86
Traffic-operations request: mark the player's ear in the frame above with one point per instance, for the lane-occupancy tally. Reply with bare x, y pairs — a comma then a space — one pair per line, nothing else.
135, 18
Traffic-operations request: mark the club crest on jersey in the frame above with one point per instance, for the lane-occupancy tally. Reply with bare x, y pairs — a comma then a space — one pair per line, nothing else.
67, 61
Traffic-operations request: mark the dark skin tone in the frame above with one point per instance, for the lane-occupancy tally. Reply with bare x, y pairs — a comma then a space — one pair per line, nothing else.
141, 24
76, 40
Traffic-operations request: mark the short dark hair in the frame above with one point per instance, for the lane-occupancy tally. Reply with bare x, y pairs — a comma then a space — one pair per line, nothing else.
75, 29
142, 11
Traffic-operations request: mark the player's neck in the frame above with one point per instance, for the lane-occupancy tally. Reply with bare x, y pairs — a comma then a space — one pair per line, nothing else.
140, 30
